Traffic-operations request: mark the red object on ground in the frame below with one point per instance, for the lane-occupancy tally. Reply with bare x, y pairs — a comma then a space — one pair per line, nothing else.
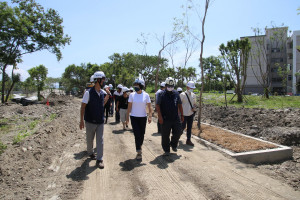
47, 102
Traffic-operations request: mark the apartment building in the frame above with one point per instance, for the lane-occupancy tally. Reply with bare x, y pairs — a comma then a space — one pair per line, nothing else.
274, 62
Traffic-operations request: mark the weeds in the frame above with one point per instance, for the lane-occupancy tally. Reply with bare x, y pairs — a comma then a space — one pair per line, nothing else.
4, 125
33, 124
21, 135
2, 147
53, 116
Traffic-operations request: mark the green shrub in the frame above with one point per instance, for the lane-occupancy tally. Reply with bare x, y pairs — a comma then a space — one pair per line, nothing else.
53, 116
33, 124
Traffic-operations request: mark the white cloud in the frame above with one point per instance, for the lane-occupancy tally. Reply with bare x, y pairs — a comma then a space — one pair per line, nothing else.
24, 74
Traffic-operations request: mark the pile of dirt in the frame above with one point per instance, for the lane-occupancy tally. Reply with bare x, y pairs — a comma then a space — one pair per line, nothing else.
234, 143
36, 167
56, 99
278, 126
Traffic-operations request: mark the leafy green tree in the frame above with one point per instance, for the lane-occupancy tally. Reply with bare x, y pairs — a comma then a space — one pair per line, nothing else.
28, 28
236, 54
50, 83
213, 70
28, 85
15, 79
75, 77
38, 75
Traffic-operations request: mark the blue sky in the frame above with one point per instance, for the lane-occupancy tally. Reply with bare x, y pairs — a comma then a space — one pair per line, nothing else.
100, 28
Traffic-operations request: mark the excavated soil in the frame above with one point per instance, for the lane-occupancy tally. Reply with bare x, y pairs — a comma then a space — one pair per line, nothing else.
278, 126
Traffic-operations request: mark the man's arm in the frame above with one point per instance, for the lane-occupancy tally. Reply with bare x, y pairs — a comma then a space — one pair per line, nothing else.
160, 118
150, 112
181, 112
82, 109
128, 111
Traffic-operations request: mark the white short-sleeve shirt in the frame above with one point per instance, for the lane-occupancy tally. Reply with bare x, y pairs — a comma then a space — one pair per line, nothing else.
139, 103
86, 96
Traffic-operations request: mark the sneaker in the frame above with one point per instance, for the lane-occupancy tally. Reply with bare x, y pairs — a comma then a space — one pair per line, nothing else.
138, 156
92, 156
174, 149
99, 163
189, 142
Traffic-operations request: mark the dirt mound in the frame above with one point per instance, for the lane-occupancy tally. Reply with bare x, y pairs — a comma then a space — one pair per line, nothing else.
56, 99
36, 167
279, 126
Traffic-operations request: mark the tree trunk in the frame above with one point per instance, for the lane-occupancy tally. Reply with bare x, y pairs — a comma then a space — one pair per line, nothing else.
3, 83
9, 91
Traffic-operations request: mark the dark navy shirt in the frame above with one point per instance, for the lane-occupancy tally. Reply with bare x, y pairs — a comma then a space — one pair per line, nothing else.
168, 102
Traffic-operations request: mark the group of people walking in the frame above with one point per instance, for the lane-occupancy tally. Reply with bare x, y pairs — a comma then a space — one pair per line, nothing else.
175, 112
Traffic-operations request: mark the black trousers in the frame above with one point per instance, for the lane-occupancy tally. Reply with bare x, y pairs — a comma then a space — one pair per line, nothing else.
167, 126
106, 111
158, 127
139, 127
188, 121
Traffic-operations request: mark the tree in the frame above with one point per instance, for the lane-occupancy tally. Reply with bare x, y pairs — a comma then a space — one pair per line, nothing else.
201, 40
15, 79
28, 28
236, 55
50, 83
28, 85
38, 75
213, 70
75, 77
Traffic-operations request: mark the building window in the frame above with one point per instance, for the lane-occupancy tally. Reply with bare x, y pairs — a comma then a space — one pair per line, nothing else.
290, 56
275, 50
276, 80
289, 77
273, 69
291, 45
276, 60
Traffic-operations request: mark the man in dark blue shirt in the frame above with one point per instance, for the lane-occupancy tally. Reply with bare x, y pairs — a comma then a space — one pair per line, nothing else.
167, 105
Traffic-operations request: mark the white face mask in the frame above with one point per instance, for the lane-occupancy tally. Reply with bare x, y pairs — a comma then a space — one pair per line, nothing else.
170, 89
191, 90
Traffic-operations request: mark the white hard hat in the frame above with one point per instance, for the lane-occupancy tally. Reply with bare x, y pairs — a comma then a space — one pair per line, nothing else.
131, 88
191, 84
120, 86
110, 86
163, 84
106, 86
92, 79
179, 89
170, 81
125, 89
99, 74
139, 81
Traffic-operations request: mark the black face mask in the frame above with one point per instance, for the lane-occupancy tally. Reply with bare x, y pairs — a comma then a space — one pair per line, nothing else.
137, 89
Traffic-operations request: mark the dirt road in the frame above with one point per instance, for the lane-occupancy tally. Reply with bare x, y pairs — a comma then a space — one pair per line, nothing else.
191, 173
52, 164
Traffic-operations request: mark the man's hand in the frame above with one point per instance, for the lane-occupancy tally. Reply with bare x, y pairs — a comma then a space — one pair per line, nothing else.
160, 120
149, 119
182, 118
81, 125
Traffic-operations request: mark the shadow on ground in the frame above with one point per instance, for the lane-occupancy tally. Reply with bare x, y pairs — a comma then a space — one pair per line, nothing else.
130, 164
184, 147
163, 161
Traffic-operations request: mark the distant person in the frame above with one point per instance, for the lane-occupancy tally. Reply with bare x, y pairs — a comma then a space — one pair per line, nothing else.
122, 106
111, 89
92, 112
90, 84
188, 99
167, 105
137, 103
117, 95
162, 88
107, 105
131, 89
179, 90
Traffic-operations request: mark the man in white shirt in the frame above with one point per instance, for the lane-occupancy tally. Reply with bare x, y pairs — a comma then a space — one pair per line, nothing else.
188, 99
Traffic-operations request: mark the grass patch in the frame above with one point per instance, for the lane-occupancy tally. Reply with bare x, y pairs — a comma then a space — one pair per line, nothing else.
2, 147
4, 125
21, 136
33, 124
274, 102
53, 116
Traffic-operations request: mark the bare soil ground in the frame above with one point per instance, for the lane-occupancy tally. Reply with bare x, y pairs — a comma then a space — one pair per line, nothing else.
232, 142
51, 163
278, 126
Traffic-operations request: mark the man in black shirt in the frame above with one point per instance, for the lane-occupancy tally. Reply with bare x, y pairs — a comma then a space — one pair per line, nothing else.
167, 105
122, 106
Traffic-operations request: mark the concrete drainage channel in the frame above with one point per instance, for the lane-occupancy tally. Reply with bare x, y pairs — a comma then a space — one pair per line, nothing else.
281, 153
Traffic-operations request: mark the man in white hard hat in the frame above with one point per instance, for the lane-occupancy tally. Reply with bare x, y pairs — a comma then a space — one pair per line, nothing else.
167, 105
111, 89
188, 99
162, 88
122, 106
92, 112
117, 94
179, 90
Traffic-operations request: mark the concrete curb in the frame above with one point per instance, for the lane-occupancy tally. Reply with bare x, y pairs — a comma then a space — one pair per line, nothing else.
279, 154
